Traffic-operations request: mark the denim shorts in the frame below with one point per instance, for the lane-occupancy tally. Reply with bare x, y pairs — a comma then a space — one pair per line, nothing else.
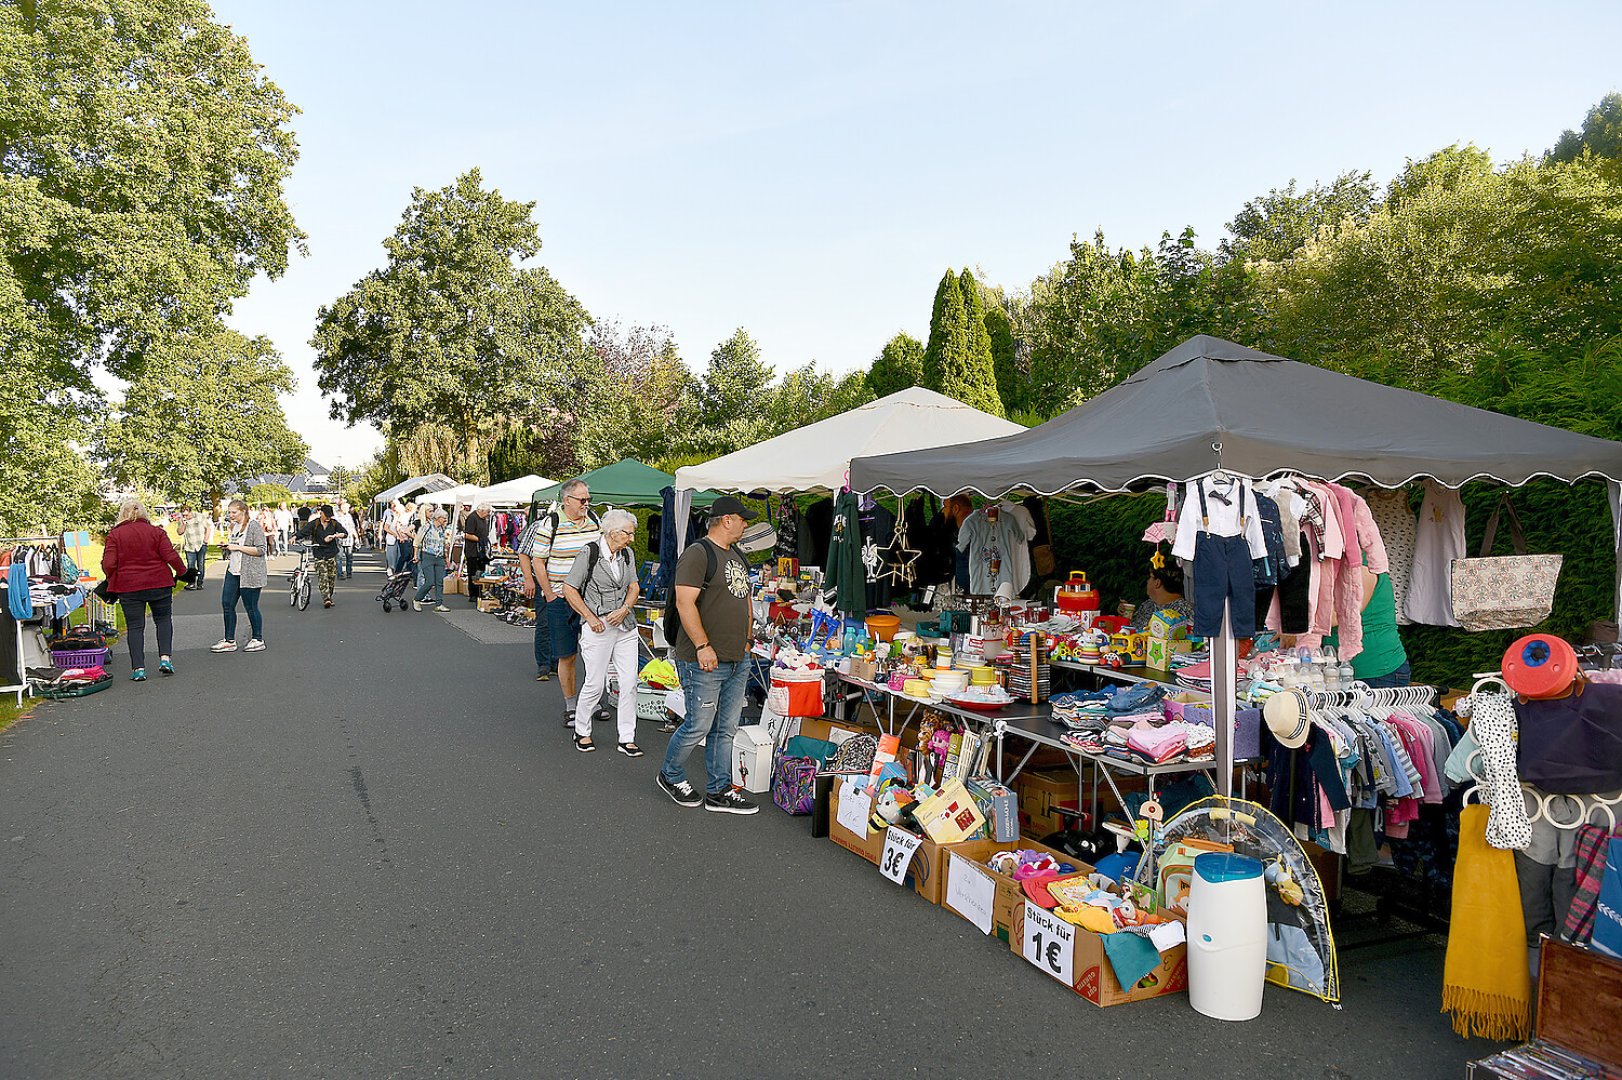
565, 624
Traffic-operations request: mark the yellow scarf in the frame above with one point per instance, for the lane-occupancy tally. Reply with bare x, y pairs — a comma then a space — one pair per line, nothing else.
1485, 983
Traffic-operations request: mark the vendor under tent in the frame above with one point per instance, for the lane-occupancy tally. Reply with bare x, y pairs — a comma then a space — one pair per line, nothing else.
1212, 406
430, 482
625, 483
516, 492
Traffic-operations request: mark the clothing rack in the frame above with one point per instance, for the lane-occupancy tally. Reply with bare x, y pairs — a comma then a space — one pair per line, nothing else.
1416, 904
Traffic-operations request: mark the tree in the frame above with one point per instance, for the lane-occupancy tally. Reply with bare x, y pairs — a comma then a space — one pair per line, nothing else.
1601, 134
733, 382
635, 394
1275, 226
451, 331
957, 359
977, 384
339, 479
1005, 357
900, 364
204, 412
142, 157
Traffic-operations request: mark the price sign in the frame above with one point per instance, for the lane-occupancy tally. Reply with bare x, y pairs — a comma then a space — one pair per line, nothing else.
1050, 943
899, 846
855, 806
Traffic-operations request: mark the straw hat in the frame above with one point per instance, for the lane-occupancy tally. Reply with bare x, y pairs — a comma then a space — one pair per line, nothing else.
1287, 718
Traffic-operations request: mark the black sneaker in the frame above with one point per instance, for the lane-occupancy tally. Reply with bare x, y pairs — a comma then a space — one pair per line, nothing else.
729, 802
683, 792
568, 719
602, 715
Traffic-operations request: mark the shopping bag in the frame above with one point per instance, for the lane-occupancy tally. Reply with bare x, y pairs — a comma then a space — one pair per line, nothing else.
796, 693
1508, 591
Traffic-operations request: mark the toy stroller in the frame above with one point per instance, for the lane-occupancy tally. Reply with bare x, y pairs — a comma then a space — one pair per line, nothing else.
397, 590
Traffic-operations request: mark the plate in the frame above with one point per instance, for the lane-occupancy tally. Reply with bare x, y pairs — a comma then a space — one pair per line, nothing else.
978, 706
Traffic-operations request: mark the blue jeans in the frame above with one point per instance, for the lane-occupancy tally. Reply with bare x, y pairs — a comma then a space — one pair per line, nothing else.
250, 601
431, 577
714, 704
1400, 677
198, 561
565, 625
346, 561
543, 637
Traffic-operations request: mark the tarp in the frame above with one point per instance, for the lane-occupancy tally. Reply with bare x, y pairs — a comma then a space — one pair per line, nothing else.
624, 483
816, 458
414, 486
1210, 403
516, 492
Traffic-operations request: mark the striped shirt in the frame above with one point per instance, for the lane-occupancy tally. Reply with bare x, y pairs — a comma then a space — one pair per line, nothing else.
560, 546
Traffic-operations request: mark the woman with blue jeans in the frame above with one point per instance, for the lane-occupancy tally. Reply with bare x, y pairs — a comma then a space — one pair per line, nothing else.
246, 545
430, 560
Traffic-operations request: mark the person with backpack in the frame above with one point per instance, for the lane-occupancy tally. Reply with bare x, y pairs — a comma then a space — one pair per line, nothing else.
602, 589
545, 666
554, 545
708, 623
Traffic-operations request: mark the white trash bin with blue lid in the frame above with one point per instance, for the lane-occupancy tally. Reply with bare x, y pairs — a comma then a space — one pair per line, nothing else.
1227, 936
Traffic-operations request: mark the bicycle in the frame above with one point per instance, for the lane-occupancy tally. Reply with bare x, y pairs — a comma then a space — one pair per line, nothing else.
299, 595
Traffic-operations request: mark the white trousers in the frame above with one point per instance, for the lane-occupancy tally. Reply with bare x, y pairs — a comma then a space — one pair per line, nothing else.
616, 646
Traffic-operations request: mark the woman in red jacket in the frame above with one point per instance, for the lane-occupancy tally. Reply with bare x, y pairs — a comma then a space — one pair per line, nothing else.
141, 565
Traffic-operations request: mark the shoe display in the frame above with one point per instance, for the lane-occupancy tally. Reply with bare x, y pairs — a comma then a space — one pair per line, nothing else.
684, 793
729, 802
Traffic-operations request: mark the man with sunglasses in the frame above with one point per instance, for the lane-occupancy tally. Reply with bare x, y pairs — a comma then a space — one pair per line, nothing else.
554, 545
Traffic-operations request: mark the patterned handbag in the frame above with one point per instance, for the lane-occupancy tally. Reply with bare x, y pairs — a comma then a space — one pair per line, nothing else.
1504, 592
794, 773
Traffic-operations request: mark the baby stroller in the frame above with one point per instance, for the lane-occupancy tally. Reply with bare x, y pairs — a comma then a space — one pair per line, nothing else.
397, 590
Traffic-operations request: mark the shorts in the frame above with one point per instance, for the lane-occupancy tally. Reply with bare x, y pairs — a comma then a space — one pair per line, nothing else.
565, 624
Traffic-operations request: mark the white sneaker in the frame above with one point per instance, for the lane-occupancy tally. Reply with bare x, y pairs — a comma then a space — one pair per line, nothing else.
416, 605
223, 645
254, 646
442, 607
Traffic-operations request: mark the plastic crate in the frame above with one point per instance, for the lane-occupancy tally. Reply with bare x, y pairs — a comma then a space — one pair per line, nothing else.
79, 658
650, 703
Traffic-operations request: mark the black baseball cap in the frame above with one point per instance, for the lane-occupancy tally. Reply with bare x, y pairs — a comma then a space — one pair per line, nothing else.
726, 504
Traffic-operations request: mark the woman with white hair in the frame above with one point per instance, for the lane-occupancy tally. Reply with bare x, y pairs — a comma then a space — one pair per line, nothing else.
602, 589
432, 541
141, 565
476, 548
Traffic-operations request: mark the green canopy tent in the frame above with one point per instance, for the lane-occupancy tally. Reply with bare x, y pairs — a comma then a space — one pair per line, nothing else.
625, 483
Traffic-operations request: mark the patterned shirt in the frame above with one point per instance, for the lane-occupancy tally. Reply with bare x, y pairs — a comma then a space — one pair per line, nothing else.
560, 546
195, 538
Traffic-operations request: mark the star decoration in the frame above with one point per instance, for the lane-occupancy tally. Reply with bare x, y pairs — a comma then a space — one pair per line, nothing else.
1158, 560
900, 558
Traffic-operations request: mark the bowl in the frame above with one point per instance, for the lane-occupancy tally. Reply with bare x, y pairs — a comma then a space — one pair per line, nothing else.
883, 627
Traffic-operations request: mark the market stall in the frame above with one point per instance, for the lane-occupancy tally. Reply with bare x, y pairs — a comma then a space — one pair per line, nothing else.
416, 485
626, 483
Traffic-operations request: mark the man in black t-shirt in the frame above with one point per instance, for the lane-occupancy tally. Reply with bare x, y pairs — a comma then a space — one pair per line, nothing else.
323, 531
476, 549
711, 650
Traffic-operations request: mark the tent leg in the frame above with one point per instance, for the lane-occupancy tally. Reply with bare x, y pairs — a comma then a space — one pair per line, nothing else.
1615, 491
681, 508
1224, 694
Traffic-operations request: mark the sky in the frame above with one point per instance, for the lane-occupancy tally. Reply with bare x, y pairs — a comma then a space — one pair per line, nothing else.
808, 171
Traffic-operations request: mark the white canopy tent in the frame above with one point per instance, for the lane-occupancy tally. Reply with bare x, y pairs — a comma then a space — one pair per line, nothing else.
407, 488
454, 496
512, 492
816, 458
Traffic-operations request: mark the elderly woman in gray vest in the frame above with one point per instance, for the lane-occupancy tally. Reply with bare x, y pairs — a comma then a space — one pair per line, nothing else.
432, 541
246, 546
602, 589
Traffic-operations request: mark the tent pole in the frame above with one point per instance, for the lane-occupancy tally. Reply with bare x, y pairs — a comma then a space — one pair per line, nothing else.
1614, 490
1224, 688
681, 508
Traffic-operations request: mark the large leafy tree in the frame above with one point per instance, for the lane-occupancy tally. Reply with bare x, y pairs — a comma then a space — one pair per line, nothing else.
452, 330
957, 357
203, 412
1601, 134
734, 381
900, 364
1275, 226
142, 159
636, 391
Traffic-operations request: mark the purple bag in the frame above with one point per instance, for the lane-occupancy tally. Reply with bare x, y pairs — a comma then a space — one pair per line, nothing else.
794, 783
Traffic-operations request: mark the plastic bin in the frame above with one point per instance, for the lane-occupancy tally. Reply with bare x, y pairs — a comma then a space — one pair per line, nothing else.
1227, 936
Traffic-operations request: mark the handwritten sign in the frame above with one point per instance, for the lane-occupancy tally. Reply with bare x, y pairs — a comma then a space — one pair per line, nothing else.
1050, 943
899, 848
970, 892
855, 806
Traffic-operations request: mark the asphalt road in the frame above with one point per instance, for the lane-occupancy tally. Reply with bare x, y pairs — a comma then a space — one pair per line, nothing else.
371, 851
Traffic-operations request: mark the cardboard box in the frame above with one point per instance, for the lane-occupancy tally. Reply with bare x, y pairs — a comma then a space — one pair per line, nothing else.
1040, 792
926, 871
869, 844
1010, 897
455, 586
752, 759
1095, 979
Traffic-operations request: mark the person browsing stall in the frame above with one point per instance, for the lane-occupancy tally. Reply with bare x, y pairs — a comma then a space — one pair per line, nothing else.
711, 649
476, 549
602, 589
555, 545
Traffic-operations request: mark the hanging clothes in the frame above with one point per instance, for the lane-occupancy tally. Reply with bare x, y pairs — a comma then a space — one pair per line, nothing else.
1220, 529
816, 526
997, 539
878, 530
1394, 517
844, 572
1438, 540
788, 528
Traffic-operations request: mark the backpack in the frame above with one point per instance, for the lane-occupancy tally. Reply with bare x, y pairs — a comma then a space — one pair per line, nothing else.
672, 617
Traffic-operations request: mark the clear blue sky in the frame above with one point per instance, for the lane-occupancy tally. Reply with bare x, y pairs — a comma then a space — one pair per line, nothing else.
807, 171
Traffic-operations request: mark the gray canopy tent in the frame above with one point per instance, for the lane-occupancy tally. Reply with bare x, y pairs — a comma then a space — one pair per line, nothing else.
1209, 404
414, 486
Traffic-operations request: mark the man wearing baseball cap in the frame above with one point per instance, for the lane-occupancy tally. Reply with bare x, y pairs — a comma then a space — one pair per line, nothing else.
711, 650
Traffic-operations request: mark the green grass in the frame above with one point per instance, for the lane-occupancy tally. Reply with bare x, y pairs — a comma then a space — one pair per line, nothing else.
9, 712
